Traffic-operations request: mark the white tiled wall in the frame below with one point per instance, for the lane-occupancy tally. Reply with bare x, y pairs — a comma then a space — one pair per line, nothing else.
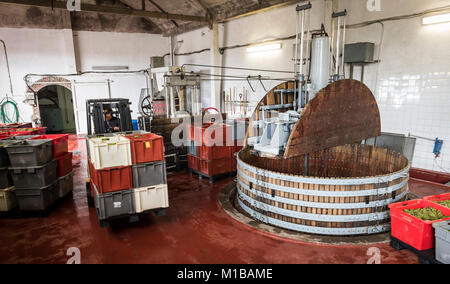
412, 81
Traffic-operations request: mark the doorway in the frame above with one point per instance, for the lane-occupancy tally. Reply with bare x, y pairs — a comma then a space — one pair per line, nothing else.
56, 109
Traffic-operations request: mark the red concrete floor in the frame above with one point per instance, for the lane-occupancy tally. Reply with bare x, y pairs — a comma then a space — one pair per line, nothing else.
195, 230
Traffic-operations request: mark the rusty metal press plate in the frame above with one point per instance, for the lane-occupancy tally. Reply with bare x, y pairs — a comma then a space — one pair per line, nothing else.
344, 112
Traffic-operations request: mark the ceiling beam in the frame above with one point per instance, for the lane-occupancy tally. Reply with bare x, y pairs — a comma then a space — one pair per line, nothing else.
276, 6
201, 3
144, 19
208, 12
162, 10
108, 10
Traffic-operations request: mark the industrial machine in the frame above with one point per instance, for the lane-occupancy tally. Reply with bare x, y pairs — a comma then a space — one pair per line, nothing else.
276, 121
303, 167
172, 95
179, 91
95, 111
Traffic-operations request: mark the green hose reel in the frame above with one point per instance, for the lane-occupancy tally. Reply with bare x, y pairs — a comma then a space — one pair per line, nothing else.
5, 117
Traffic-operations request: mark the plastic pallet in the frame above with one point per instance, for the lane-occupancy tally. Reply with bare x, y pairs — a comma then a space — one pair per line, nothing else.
132, 218
212, 179
425, 256
90, 198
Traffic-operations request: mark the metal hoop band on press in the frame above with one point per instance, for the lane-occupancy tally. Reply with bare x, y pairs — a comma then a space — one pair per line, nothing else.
253, 183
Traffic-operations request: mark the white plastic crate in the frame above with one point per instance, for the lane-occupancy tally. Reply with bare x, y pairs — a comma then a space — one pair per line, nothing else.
442, 233
109, 152
151, 197
7, 199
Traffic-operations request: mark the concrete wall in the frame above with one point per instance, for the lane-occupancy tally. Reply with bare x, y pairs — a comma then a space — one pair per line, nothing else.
44, 51
411, 84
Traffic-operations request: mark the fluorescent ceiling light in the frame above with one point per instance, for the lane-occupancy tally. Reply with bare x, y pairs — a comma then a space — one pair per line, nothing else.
437, 19
109, 68
264, 47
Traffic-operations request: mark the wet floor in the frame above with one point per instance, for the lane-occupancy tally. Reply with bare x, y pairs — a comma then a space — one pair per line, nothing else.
195, 230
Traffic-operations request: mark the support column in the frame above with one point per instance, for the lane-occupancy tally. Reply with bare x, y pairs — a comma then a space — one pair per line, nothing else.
72, 56
215, 60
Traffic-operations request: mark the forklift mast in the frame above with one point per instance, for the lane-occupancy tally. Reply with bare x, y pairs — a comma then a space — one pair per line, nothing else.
95, 110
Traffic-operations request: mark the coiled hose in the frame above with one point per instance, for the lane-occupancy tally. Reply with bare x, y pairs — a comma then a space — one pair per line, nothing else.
4, 116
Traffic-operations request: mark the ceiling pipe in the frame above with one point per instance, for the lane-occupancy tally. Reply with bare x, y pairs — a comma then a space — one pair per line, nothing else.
7, 66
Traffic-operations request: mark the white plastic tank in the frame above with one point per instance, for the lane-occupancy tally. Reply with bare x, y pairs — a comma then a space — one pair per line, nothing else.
320, 65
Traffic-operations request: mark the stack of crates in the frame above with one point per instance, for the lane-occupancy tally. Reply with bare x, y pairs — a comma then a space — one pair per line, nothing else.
149, 172
63, 158
8, 199
109, 165
128, 175
40, 169
205, 157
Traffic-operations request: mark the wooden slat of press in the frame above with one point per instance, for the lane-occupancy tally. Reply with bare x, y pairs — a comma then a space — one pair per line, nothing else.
310, 198
381, 160
314, 199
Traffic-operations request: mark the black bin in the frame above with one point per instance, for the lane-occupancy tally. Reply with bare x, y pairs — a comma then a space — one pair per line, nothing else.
39, 199
34, 177
30, 153
4, 158
5, 178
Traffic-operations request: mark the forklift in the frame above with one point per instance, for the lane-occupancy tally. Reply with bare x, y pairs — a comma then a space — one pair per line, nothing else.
96, 111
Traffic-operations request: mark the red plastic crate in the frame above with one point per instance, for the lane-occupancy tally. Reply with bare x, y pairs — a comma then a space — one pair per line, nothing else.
193, 162
192, 128
214, 152
237, 149
111, 179
413, 231
440, 197
233, 164
146, 148
39, 130
21, 133
16, 125
60, 143
215, 167
206, 134
65, 165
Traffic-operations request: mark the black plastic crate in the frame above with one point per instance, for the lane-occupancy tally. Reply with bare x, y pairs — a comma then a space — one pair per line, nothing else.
149, 174
114, 204
65, 185
34, 177
39, 199
30, 153
5, 178
4, 158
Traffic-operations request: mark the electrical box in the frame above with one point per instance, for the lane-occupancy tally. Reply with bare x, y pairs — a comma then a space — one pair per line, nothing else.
361, 52
157, 62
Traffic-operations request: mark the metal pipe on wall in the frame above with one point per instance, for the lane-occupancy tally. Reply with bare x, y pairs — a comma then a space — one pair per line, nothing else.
7, 67
302, 42
343, 47
171, 51
338, 42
